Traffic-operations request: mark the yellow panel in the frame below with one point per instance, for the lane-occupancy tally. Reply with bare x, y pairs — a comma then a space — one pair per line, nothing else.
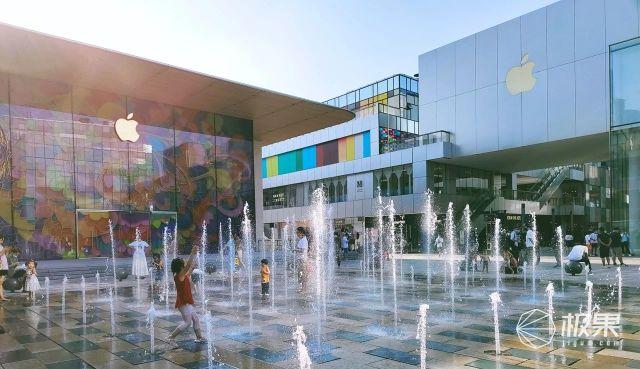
272, 166
351, 148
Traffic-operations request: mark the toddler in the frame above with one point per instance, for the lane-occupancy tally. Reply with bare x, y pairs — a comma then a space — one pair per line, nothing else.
31, 283
265, 274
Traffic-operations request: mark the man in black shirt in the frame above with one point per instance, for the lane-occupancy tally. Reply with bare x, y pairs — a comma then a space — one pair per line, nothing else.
604, 240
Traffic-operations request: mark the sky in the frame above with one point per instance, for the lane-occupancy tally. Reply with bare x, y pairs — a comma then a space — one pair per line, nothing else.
312, 49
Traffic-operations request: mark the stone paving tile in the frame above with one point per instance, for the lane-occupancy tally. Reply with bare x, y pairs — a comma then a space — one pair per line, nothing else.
15, 355
395, 355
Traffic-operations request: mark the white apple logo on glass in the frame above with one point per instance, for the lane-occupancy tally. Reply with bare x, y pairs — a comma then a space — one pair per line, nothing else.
520, 79
126, 129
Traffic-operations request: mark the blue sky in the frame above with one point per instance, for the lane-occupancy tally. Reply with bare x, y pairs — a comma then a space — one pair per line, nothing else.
312, 49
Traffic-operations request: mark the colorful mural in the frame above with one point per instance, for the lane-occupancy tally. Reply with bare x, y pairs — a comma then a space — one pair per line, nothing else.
64, 172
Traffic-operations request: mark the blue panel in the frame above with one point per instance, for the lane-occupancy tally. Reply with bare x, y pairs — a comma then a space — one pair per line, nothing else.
287, 162
309, 157
264, 167
366, 144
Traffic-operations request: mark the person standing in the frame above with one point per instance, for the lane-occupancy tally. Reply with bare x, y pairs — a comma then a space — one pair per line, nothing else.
593, 241
265, 275
302, 248
529, 243
626, 251
4, 267
344, 242
604, 242
587, 241
184, 297
616, 246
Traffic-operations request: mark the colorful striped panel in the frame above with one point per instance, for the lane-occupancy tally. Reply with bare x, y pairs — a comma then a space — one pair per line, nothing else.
358, 146
272, 166
342, 149
366, 144
326, 153
309, 157
351, 147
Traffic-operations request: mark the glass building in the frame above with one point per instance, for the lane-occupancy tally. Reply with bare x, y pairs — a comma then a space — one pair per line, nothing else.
109, 137
625, 137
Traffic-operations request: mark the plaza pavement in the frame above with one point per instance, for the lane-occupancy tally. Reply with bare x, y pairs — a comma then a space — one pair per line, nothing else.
359, 331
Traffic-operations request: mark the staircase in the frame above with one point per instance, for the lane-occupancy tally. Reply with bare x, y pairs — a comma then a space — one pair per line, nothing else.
549, 184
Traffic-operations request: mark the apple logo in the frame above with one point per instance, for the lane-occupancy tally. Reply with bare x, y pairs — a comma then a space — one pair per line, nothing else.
520, 79
126, 129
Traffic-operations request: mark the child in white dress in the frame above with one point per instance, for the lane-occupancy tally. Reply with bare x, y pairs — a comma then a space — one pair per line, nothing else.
31, 283
139, 266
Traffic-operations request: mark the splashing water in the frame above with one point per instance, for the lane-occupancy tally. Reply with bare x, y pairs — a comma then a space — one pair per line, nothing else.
175, 241
319, 233
451, 247
589, 289
495, 301
381, 236
524, 273
46, 290
496, 251
560, 242
619, 275
429, 227
97, 284
208, 321
550, 292
65, 280
201, 265
285, 252
112, 312
113, 259
304, 361
232, 259
272, 276
151, 318
534, 255
466, 215
165, 251
392, 243
247, 239
413, 278
221, 248
83, 288
421, 334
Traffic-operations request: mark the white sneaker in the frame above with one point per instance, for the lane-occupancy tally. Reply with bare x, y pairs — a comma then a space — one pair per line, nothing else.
171, 341
200, 340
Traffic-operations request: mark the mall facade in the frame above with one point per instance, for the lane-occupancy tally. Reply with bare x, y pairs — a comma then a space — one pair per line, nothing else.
88, 135
537, 114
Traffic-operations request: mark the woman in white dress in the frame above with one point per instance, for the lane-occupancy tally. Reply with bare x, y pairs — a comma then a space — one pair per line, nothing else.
31, 283
139, 265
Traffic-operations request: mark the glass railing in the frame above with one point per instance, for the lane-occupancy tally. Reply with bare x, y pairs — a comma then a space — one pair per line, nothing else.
426, 139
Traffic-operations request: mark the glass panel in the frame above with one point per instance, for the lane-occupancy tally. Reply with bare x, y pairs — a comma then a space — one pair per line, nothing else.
151, 158
42, 175
625, 85
5, 163
101, 157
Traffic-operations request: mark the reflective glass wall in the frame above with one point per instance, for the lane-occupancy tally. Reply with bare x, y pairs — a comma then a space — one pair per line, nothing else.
64, 172
625, 138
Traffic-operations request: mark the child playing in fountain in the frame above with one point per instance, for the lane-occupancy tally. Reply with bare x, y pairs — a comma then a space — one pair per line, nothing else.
158, 266
31, 283
184, 298
265, 275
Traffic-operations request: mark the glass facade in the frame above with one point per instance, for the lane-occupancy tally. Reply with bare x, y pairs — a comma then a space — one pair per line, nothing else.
64, 172
624, 138
394, 100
